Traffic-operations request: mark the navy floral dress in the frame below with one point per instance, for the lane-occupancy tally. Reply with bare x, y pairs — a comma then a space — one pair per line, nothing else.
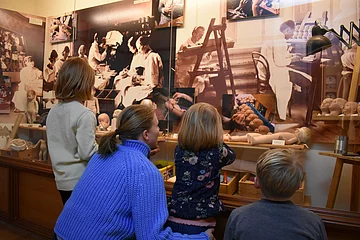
195, 193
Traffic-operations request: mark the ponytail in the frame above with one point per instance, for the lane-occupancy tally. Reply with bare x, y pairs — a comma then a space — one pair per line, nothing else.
131, 123
108, 143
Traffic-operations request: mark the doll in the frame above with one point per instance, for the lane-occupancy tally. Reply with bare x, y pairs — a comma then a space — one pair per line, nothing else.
262, 129
43, 150
93, 104
104, 122
301, 135
325, 106
336, 106
116, 114
32, 106
349, 108
251, 117
254, 124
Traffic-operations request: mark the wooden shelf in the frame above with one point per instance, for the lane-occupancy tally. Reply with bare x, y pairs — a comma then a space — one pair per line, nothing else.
248, 145
317, 117
344, 157
30, 127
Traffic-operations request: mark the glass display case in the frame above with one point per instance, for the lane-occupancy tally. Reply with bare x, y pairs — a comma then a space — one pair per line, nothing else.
252, 68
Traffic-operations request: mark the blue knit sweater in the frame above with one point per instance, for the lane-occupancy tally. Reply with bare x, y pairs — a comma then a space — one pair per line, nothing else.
121, 196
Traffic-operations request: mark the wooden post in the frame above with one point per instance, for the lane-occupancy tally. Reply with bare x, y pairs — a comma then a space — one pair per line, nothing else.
355, 78
355, 188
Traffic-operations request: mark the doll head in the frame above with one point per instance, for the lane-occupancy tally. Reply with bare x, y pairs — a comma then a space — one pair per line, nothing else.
349, 108
262, 129
335, 109
325, 106
336, 106
116, 113
104, 121
340, 101
254, 124
303, 134
248, 112
251, 117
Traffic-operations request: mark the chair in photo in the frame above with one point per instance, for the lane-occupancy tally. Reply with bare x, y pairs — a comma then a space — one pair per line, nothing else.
265, 94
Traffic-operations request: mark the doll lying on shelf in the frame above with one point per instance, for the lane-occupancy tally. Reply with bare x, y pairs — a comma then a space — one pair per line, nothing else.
301, 135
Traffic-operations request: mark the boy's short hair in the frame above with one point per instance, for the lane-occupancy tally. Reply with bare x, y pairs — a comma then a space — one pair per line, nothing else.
279, 173
75, 81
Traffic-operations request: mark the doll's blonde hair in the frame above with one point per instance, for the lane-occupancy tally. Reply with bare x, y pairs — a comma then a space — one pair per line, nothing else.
201, 128
304, 135
279, 173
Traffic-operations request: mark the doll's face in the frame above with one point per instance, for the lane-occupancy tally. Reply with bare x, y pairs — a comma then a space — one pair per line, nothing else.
104, 121
325, 104
256, 123
349, 108
340, 101
335, 109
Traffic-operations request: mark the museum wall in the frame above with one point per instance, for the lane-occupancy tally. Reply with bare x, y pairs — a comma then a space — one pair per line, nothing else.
248, 35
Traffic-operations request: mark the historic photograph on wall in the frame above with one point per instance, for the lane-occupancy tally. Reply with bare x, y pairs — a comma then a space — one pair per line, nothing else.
265, 76
168, 13
129, 55
242, 9
62, 28
22, 38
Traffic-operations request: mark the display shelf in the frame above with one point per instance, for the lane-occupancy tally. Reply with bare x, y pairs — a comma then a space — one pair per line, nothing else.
317, 117
36, 128
249, 146
32, 127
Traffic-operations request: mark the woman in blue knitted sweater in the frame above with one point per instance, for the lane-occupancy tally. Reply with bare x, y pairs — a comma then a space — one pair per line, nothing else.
121, 194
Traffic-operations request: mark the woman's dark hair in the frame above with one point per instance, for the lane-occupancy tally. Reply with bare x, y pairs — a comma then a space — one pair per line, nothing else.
130, 124
145, 40
53, 56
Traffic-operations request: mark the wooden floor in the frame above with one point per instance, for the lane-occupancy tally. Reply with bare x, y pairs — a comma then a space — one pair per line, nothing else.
10, 232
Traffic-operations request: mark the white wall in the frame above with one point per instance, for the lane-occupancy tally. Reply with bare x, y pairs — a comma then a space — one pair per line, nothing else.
25, 6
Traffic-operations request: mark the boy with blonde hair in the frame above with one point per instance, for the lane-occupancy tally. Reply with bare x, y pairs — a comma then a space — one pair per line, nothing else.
279, 175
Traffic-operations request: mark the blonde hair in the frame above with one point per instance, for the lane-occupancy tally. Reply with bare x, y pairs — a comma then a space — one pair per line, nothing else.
76, 80
279, 173
201, 128
130, 124
304, 135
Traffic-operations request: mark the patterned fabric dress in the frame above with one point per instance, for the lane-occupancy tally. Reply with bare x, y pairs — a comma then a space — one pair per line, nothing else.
195, 193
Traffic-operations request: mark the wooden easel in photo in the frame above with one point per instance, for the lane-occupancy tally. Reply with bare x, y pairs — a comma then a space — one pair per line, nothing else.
219, 43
